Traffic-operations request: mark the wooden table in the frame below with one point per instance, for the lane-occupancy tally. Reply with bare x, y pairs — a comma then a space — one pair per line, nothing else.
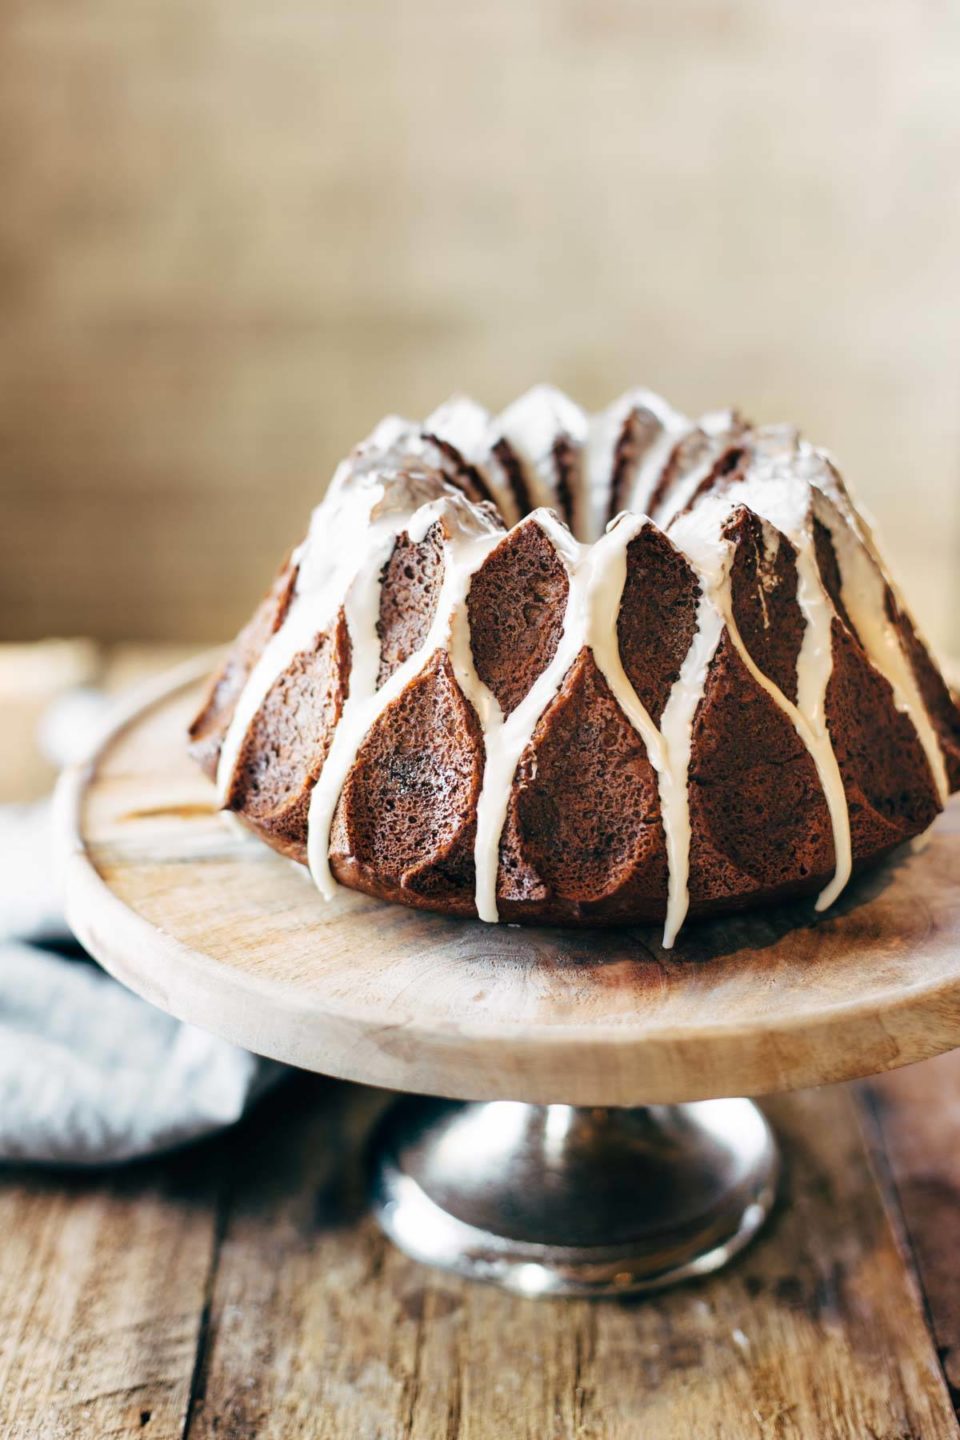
237, 1289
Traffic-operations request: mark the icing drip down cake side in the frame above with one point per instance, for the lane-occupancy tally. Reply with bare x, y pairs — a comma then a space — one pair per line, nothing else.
551, 667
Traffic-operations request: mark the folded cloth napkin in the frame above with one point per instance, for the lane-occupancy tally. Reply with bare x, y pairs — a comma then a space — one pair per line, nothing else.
89, 1073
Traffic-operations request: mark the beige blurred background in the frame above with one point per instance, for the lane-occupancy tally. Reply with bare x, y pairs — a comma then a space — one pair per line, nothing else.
232, 235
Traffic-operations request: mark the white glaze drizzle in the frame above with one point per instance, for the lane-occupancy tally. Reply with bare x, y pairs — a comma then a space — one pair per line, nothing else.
717, 428
352, 536
464, 551
600, 455
531, 426
862, 590
603, 567
676, 724
674, 429
325, 572
595, 575
467, 426
772, 490
354, 531
463, 423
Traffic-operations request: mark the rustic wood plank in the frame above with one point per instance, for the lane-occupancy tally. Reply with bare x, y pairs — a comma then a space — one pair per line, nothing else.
917, 1114
102, 1277
102, 1288
318, 1329
300, 1298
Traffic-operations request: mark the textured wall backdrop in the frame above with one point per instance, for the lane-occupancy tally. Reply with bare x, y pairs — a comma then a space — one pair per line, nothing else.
233, 235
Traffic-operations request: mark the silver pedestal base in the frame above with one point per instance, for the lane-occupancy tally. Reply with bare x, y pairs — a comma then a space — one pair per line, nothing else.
559, 1200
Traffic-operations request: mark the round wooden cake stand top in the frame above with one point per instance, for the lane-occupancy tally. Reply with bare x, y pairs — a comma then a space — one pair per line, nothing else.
575, 1170
205, 921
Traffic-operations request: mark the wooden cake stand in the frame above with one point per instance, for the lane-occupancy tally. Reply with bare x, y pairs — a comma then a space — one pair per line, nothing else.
599, 1149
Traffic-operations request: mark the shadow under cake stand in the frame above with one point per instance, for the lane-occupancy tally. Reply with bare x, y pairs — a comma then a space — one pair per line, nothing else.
582, 1137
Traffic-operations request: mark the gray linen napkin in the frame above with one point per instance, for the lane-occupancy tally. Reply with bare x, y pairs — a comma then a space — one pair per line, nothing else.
89, 1073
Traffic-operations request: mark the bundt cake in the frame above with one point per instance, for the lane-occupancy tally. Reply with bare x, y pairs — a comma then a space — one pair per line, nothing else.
548, 667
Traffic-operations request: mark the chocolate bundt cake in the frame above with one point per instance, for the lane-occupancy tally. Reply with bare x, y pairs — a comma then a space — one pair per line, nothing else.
557, 668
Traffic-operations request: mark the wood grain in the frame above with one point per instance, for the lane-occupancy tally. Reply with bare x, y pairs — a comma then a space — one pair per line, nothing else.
207, 923
916, 1115
314, 1326
102, 1289
103, 1279
319, 1329
232, 239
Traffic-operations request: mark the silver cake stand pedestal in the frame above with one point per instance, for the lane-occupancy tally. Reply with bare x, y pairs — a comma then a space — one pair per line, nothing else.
569, 1200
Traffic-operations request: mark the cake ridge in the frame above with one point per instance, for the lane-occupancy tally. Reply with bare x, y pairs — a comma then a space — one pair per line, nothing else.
693, 477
